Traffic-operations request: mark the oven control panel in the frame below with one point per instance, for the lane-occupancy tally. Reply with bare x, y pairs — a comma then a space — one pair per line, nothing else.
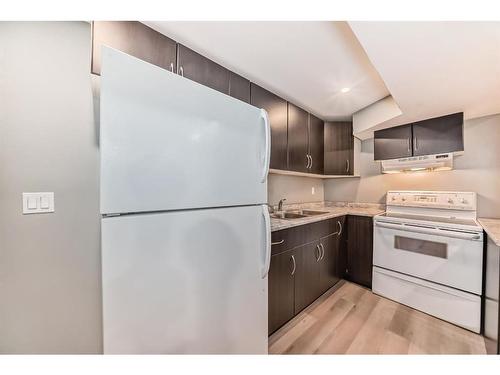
452, 200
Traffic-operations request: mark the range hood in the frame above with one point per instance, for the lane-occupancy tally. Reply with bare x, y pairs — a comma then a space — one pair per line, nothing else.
428, 163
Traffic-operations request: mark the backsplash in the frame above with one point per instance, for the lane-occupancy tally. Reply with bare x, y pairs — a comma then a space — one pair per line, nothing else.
319, 205
295, 189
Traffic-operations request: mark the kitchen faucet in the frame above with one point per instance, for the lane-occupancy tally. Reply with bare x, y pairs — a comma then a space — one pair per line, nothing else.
280, 204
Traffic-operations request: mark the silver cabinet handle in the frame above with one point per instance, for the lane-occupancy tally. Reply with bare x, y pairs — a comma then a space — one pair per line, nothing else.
322, 251
294, 265
409, 142
318, 258
415, 141
309, 161
347, 165
340, 228
310, 156
181, 71
278, 243
172, 67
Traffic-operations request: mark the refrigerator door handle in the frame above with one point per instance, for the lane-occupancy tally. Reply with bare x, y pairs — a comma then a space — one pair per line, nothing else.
267, 156
267, 246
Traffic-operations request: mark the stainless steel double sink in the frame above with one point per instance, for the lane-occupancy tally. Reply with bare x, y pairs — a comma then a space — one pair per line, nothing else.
296, 214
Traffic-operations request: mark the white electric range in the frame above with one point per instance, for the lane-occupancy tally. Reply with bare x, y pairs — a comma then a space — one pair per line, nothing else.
428, 254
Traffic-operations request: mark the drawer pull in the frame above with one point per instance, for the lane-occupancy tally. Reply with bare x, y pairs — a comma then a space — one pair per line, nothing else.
278, 243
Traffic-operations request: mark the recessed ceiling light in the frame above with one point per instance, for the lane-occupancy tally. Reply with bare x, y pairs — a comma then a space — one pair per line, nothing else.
345, 89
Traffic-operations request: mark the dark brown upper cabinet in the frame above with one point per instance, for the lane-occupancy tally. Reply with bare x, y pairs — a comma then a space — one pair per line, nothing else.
276, 108
438, 135
239, 87
339, 148
316, 144
134, 38
393, 143
427, 137
198, 68
298, 139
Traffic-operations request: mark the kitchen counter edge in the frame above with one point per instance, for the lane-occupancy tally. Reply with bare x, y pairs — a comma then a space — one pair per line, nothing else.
280, 224
492, 228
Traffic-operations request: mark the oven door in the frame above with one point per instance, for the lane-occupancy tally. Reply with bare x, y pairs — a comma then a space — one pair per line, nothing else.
444, 256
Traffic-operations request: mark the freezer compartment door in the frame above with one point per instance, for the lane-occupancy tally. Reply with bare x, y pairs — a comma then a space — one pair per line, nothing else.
186, 282
455, 306
170, 143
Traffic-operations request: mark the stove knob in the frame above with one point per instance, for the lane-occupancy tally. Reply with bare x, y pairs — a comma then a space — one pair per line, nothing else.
403, 199
464, 201
450, 201
393, 198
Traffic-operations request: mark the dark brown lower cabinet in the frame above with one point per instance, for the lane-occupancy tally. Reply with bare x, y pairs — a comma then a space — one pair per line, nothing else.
307, 276
281, 289
360, 249
342, 250
329, 272
304, 264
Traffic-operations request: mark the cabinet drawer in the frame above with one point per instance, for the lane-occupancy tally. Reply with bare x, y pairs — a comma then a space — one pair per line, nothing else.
290, 238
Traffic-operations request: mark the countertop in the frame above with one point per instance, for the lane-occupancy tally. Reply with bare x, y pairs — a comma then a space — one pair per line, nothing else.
334, 209
491, 227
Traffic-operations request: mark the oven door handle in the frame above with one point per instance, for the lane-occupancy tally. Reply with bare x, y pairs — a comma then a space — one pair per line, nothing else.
437, 232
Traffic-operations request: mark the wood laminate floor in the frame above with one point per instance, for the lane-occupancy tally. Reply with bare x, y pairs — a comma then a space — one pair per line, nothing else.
350, 319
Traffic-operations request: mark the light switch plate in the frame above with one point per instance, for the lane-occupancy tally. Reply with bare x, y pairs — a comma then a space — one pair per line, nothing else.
38, 203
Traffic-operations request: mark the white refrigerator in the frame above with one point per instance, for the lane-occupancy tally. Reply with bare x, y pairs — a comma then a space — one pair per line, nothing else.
185, 226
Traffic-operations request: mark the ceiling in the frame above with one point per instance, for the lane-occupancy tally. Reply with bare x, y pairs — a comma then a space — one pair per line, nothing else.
436, 68
307, 63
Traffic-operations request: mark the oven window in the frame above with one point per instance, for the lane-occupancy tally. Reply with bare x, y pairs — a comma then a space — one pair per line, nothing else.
431, 248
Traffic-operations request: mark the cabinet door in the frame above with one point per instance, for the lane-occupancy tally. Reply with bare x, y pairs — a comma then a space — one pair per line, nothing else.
281, 289
329, 271
276, 108
239, 87
298, 139
393, 143
134, 38
438, 135
316, 144
339, 148
360, 250
307, 287
342, 248
198, 68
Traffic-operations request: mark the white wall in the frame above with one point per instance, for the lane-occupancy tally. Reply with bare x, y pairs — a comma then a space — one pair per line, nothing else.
50, 293
295, 189
478, 169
